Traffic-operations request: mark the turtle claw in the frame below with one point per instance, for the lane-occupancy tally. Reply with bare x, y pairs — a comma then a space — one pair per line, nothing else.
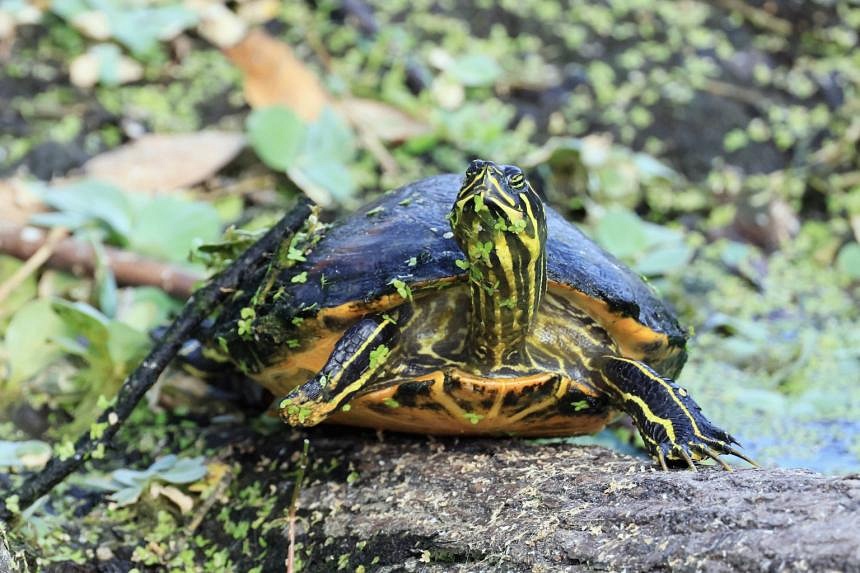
714, 455
687, 458
662, 459
724, 448
695, 447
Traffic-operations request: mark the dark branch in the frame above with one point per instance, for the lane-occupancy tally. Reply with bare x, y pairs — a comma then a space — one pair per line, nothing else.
198, 307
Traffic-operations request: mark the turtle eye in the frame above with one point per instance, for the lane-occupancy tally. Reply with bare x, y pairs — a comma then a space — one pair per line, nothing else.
515, 178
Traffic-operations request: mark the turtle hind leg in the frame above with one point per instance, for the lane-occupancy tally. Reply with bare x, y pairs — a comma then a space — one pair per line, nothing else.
356, 358
671, 423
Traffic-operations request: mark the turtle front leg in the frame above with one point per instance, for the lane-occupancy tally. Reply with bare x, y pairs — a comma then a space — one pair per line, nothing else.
356, 358
669, 420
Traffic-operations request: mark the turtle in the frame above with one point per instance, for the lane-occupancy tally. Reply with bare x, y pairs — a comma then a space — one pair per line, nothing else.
464, 305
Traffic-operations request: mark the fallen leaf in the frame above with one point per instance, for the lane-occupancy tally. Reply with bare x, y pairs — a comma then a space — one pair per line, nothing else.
217, 23
216, 471
275, 76
163, 162
17, 203
28, 455
138, 27
93, 24
183, 501
13, 14
385, 122
259, 11
315, 156
105, 64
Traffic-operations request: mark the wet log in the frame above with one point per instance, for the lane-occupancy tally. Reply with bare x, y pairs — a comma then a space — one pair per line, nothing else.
505, 505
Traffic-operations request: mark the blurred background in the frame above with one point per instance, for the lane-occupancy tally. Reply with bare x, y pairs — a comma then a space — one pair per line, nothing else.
712, 146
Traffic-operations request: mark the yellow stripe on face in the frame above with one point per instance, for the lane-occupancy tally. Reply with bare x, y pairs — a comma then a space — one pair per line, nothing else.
508, 199
478, 177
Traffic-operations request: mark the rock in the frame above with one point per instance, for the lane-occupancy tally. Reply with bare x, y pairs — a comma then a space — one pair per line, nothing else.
478, 505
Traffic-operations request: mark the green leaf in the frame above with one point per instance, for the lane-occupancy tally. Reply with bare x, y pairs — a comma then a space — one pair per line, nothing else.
105, 281
31, 340
186, 470
108, 57
316, 156
848, 260
663, 261
277, 135
83, 320
475, 70
167, 227
92, 201
25, 291
621, 232
141, 28
127, 495
28, 454
138, 27
321, 170
125, 345
145, 308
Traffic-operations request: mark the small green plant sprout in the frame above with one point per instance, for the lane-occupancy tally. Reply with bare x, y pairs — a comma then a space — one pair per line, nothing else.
159, 479
379, 355
580, 405
245, 324
517, 226
479, 204
481, 252
402, 289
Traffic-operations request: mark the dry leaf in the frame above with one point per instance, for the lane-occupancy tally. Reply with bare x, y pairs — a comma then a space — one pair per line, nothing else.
385, 122
17, 203
274, 76
216, 471
163, 162
217, 24
183, 501
105, 63
259, 11
93, 24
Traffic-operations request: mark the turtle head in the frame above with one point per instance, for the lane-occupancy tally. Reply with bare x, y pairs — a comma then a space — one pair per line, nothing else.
498, 217
499, 223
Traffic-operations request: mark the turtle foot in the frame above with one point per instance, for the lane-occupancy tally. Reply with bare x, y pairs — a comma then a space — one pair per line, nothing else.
696, 443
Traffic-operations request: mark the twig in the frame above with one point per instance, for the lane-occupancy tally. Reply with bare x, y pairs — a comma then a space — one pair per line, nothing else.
745, 95
78, 257
196, 309
36, 260
759, 17
294, 506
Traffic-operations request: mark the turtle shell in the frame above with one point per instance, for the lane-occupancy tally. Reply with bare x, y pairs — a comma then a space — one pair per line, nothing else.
405, 236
